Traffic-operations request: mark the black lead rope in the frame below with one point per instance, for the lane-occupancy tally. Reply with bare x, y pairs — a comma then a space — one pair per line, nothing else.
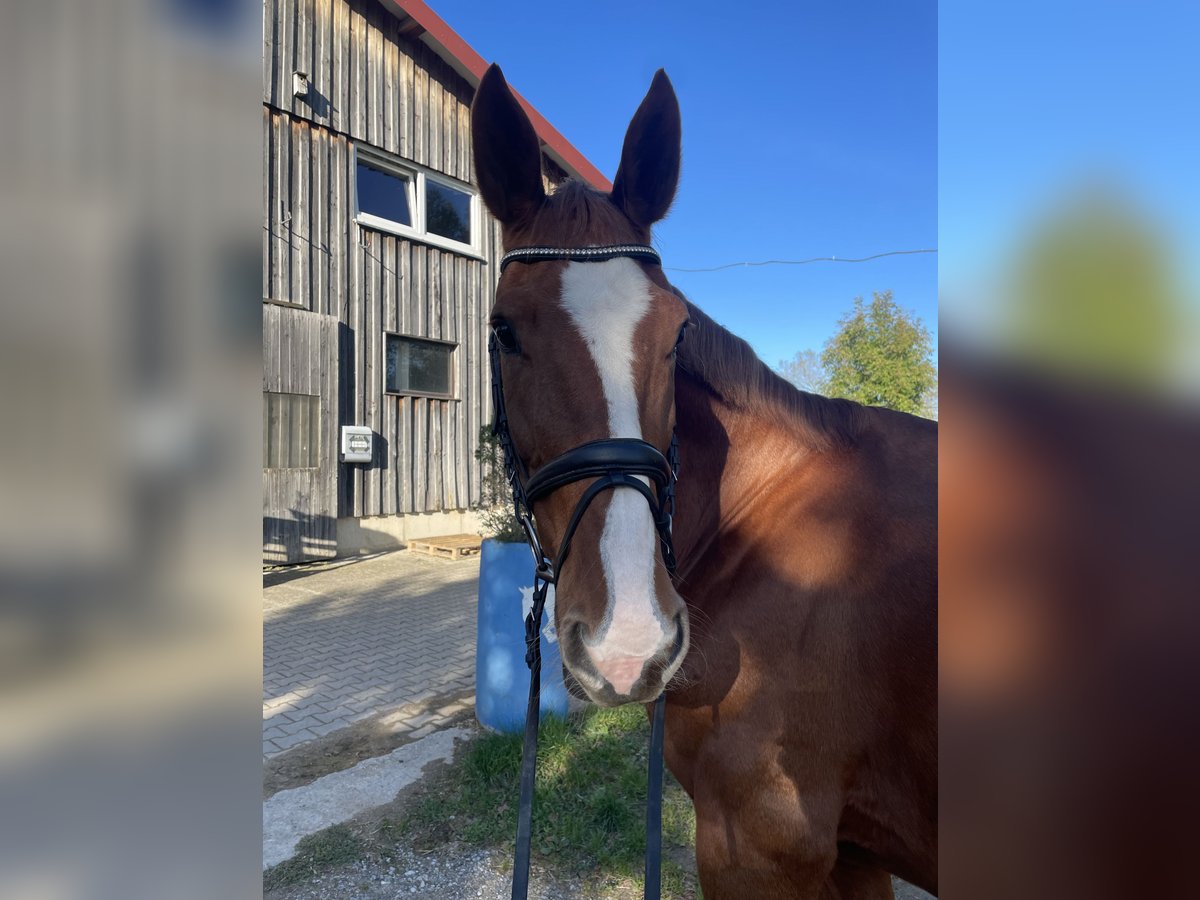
654, 787
614, 463
533, 658
654, 775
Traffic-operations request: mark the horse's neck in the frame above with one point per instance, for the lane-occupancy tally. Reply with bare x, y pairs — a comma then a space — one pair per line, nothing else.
729, 458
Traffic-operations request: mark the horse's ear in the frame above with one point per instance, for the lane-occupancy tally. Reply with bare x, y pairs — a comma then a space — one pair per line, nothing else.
649, 171
508, 156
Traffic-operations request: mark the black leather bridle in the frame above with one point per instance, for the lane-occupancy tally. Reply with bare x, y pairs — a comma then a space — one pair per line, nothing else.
613, 463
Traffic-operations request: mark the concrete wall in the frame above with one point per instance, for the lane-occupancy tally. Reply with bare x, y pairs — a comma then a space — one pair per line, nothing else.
372, 533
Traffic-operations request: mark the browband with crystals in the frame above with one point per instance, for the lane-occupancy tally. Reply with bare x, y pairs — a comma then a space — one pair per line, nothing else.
581, 254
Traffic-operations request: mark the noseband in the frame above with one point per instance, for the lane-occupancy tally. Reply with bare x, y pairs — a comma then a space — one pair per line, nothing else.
612, 463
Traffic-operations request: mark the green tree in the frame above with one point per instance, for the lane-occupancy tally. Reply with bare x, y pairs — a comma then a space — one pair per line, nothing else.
881, 356
1094, 294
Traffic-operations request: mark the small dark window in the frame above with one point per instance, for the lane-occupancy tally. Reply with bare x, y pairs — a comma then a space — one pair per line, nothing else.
291, 430
384, 194
447, 211
415, 366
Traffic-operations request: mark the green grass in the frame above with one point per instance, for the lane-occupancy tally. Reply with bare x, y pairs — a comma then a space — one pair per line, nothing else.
334, 846
589, 802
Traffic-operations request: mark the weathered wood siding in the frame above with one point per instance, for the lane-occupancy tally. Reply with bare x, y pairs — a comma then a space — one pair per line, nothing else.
300, 356
369, 80
371, 84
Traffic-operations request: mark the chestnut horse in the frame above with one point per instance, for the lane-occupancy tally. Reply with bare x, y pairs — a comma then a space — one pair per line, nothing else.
798, 644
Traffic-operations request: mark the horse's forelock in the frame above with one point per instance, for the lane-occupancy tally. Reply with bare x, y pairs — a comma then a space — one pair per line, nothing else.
576, 215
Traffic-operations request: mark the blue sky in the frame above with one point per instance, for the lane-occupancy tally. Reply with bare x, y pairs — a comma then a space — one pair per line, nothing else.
809, 129
1041, 101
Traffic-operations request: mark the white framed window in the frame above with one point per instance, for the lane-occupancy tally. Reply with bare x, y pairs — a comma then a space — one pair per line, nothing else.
407, 200
419, 367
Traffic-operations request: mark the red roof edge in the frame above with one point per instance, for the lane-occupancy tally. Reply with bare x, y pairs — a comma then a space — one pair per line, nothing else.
445, 41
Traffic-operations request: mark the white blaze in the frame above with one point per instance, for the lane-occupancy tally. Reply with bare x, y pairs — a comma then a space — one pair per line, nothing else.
606, 301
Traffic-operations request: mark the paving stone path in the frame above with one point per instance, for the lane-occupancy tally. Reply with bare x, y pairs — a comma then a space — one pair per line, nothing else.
350, 638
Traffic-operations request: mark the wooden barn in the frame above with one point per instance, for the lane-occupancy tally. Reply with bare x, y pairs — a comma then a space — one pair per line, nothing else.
379, 266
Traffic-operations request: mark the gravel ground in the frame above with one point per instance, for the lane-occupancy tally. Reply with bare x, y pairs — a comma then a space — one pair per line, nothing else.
467, 875
480, 874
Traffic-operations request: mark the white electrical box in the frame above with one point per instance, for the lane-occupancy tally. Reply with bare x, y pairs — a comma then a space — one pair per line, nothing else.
358, 443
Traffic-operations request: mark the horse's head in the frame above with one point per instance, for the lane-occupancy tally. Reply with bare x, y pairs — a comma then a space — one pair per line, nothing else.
588, 352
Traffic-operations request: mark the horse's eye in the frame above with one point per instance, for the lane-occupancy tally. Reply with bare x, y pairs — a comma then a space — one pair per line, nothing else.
682, 335
506, 338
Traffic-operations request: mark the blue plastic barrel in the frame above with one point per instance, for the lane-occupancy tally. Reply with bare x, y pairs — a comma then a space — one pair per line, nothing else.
501, 676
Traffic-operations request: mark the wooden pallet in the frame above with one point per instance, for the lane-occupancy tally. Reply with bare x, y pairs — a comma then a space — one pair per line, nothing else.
451, 546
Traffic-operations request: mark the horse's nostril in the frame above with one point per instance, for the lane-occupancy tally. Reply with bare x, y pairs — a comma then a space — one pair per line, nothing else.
578, 630
679, 644
621, 672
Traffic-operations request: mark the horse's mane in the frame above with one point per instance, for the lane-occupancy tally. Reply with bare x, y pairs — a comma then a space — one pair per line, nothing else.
728, 366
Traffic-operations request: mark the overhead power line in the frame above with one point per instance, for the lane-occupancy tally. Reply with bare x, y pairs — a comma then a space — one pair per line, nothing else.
804, 262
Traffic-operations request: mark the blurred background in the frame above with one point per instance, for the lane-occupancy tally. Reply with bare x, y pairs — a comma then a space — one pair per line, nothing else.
130, 180
1069, 296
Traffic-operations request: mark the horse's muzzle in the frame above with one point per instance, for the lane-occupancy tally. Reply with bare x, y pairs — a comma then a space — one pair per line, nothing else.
621, 679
